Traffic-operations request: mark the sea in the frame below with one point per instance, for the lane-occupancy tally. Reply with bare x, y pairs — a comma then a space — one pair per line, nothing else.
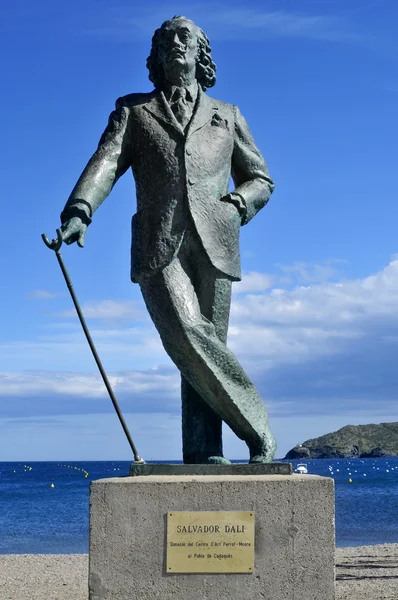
44, 506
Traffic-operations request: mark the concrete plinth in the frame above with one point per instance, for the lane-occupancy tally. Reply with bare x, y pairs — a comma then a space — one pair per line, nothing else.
294, 537
275, 468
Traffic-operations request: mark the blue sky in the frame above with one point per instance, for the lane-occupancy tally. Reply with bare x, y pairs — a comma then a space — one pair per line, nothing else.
315, 319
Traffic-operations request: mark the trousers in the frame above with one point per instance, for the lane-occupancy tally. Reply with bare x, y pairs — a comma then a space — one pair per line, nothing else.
189, 303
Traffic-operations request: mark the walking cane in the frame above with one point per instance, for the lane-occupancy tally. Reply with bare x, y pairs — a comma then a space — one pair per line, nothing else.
56, 246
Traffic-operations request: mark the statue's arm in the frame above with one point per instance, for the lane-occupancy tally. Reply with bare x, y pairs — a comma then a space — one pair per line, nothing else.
253, 185
108, 163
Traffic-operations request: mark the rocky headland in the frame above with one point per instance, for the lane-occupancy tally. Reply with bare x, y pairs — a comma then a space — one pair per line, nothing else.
360, 441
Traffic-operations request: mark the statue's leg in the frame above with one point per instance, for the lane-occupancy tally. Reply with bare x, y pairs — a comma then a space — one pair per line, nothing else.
201, 426
191, 341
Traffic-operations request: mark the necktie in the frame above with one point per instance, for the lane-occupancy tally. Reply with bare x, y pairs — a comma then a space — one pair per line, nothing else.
180, 107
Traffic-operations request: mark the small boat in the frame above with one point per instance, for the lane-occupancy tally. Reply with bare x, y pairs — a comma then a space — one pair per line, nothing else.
301, 468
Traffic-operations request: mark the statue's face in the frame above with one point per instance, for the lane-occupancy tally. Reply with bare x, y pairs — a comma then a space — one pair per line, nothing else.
179, 47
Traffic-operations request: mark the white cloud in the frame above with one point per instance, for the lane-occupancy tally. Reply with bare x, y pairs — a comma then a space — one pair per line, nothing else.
224, 21
310, 322
304, 272
89, 385
314, 349
66, 348
108, 310
253, 282
328, 347
42, 295
327, 305
288, 24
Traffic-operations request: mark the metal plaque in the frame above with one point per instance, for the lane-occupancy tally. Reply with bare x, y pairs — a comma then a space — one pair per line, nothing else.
210, 542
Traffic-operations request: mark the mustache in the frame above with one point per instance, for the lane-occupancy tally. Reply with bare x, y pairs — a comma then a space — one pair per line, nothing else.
177, 50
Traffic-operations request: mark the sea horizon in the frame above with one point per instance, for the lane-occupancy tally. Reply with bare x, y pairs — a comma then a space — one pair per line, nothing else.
45, 504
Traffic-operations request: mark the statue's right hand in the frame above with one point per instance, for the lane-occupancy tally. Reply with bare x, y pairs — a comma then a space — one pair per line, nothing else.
74, 230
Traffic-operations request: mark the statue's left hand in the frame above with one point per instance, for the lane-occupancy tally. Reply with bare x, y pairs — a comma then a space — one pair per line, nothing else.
236, 200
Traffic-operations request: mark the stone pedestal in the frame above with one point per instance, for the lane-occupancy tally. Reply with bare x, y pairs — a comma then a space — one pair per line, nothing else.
294, 537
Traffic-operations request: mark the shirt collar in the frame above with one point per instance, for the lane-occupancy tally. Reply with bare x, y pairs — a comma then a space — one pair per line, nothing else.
191, 91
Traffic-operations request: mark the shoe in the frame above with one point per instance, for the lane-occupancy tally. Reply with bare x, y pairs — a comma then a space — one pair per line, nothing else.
218, 460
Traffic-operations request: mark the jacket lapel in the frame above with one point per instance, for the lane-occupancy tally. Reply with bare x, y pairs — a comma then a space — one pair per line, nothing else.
159, 108
203, 113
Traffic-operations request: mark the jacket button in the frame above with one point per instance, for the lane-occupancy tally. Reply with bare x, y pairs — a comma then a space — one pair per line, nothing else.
191, 181
188, 152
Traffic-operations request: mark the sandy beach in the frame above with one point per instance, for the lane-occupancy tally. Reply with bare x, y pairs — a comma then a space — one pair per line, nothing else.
362, 573
367, 573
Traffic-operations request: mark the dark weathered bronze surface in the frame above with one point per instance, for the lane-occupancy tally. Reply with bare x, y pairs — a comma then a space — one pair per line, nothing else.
183, 146
276, 468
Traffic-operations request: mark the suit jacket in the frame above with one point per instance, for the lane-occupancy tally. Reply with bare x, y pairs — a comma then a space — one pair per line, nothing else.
179, 175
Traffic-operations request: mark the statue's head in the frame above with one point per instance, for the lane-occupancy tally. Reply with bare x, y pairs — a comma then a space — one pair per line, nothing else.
180, 45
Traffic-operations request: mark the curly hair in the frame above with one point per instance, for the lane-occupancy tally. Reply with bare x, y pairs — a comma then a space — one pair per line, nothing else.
205, 67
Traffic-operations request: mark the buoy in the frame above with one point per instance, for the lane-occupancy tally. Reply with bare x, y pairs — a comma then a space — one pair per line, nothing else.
52, 485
